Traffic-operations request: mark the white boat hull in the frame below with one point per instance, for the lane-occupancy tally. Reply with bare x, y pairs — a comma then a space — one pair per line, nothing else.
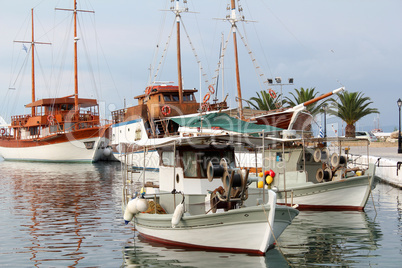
347, 194
241, 230
71, 151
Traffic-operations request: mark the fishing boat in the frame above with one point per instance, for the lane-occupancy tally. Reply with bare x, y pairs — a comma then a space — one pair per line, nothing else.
314, 173
60, 129
317, 173
201, 200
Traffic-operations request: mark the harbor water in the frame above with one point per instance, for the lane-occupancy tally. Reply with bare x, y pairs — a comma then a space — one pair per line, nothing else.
70, 215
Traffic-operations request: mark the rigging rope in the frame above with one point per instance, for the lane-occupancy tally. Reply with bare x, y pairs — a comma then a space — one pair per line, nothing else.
161, 30
196, 56
257, 68
221, 59
163, 54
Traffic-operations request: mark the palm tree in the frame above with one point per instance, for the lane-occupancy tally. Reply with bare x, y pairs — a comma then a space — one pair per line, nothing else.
351, 107
304, 95
265, 101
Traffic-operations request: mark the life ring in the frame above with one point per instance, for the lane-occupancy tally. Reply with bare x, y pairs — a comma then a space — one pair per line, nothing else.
205, 107
166, 110
272, 93
3, 131
148, 90
206, 97
211, 89
50, 118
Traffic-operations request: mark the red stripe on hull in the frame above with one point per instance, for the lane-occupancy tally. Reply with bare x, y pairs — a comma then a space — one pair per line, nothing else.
325, 207
206, 248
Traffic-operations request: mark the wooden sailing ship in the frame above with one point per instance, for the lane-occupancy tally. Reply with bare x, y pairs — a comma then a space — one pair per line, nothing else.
160, 101
57, 129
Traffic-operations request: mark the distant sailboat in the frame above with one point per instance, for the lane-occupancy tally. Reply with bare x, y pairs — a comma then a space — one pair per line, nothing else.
65, 129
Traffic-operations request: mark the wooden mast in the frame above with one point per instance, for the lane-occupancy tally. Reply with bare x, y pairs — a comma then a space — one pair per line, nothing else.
33, 65
75, 11
233, 21
180, 78
32, 42
77, 109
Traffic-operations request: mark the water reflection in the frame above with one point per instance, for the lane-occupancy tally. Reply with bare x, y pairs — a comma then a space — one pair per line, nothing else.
61, 215
330, 238
314, 238
60, 206
143, 253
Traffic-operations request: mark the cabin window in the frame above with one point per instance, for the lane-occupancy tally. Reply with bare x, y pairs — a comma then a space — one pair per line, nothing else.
138, 134
166, 97
175, 97
205, 158
196, 163
53, 128
188, 97
308, 156
190, 164
33, 131
168, 158
68, 126
159, 98
282, 157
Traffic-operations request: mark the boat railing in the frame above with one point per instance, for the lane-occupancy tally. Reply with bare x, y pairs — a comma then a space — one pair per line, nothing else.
118, 116
18, 120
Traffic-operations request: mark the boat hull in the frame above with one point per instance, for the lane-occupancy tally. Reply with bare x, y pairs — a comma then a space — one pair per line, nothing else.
68, 147
346, 194
243, 230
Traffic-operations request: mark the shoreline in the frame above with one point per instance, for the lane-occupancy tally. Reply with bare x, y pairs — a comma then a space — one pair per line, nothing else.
387, 154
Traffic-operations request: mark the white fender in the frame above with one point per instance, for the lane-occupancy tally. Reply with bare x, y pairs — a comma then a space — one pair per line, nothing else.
142, 204
128, 216
177, 214
132, 206
107, 152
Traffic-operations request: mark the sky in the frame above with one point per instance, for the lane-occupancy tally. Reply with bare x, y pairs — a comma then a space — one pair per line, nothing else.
321, 44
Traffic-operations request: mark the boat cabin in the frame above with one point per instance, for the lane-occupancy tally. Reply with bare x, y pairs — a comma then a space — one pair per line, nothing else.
186, 170
157, 103
52, 116
297, 165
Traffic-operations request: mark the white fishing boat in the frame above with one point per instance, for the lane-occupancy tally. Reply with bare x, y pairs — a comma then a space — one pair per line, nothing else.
317, 174
190, 206
64, 129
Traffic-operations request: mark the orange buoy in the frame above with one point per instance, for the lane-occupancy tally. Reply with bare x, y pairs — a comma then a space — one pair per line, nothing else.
206, 97
166, 110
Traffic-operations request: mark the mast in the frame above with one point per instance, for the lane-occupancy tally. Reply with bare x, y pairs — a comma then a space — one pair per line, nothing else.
75, 11
33, 64
180, 79
32, 42
77, 109
233, 20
